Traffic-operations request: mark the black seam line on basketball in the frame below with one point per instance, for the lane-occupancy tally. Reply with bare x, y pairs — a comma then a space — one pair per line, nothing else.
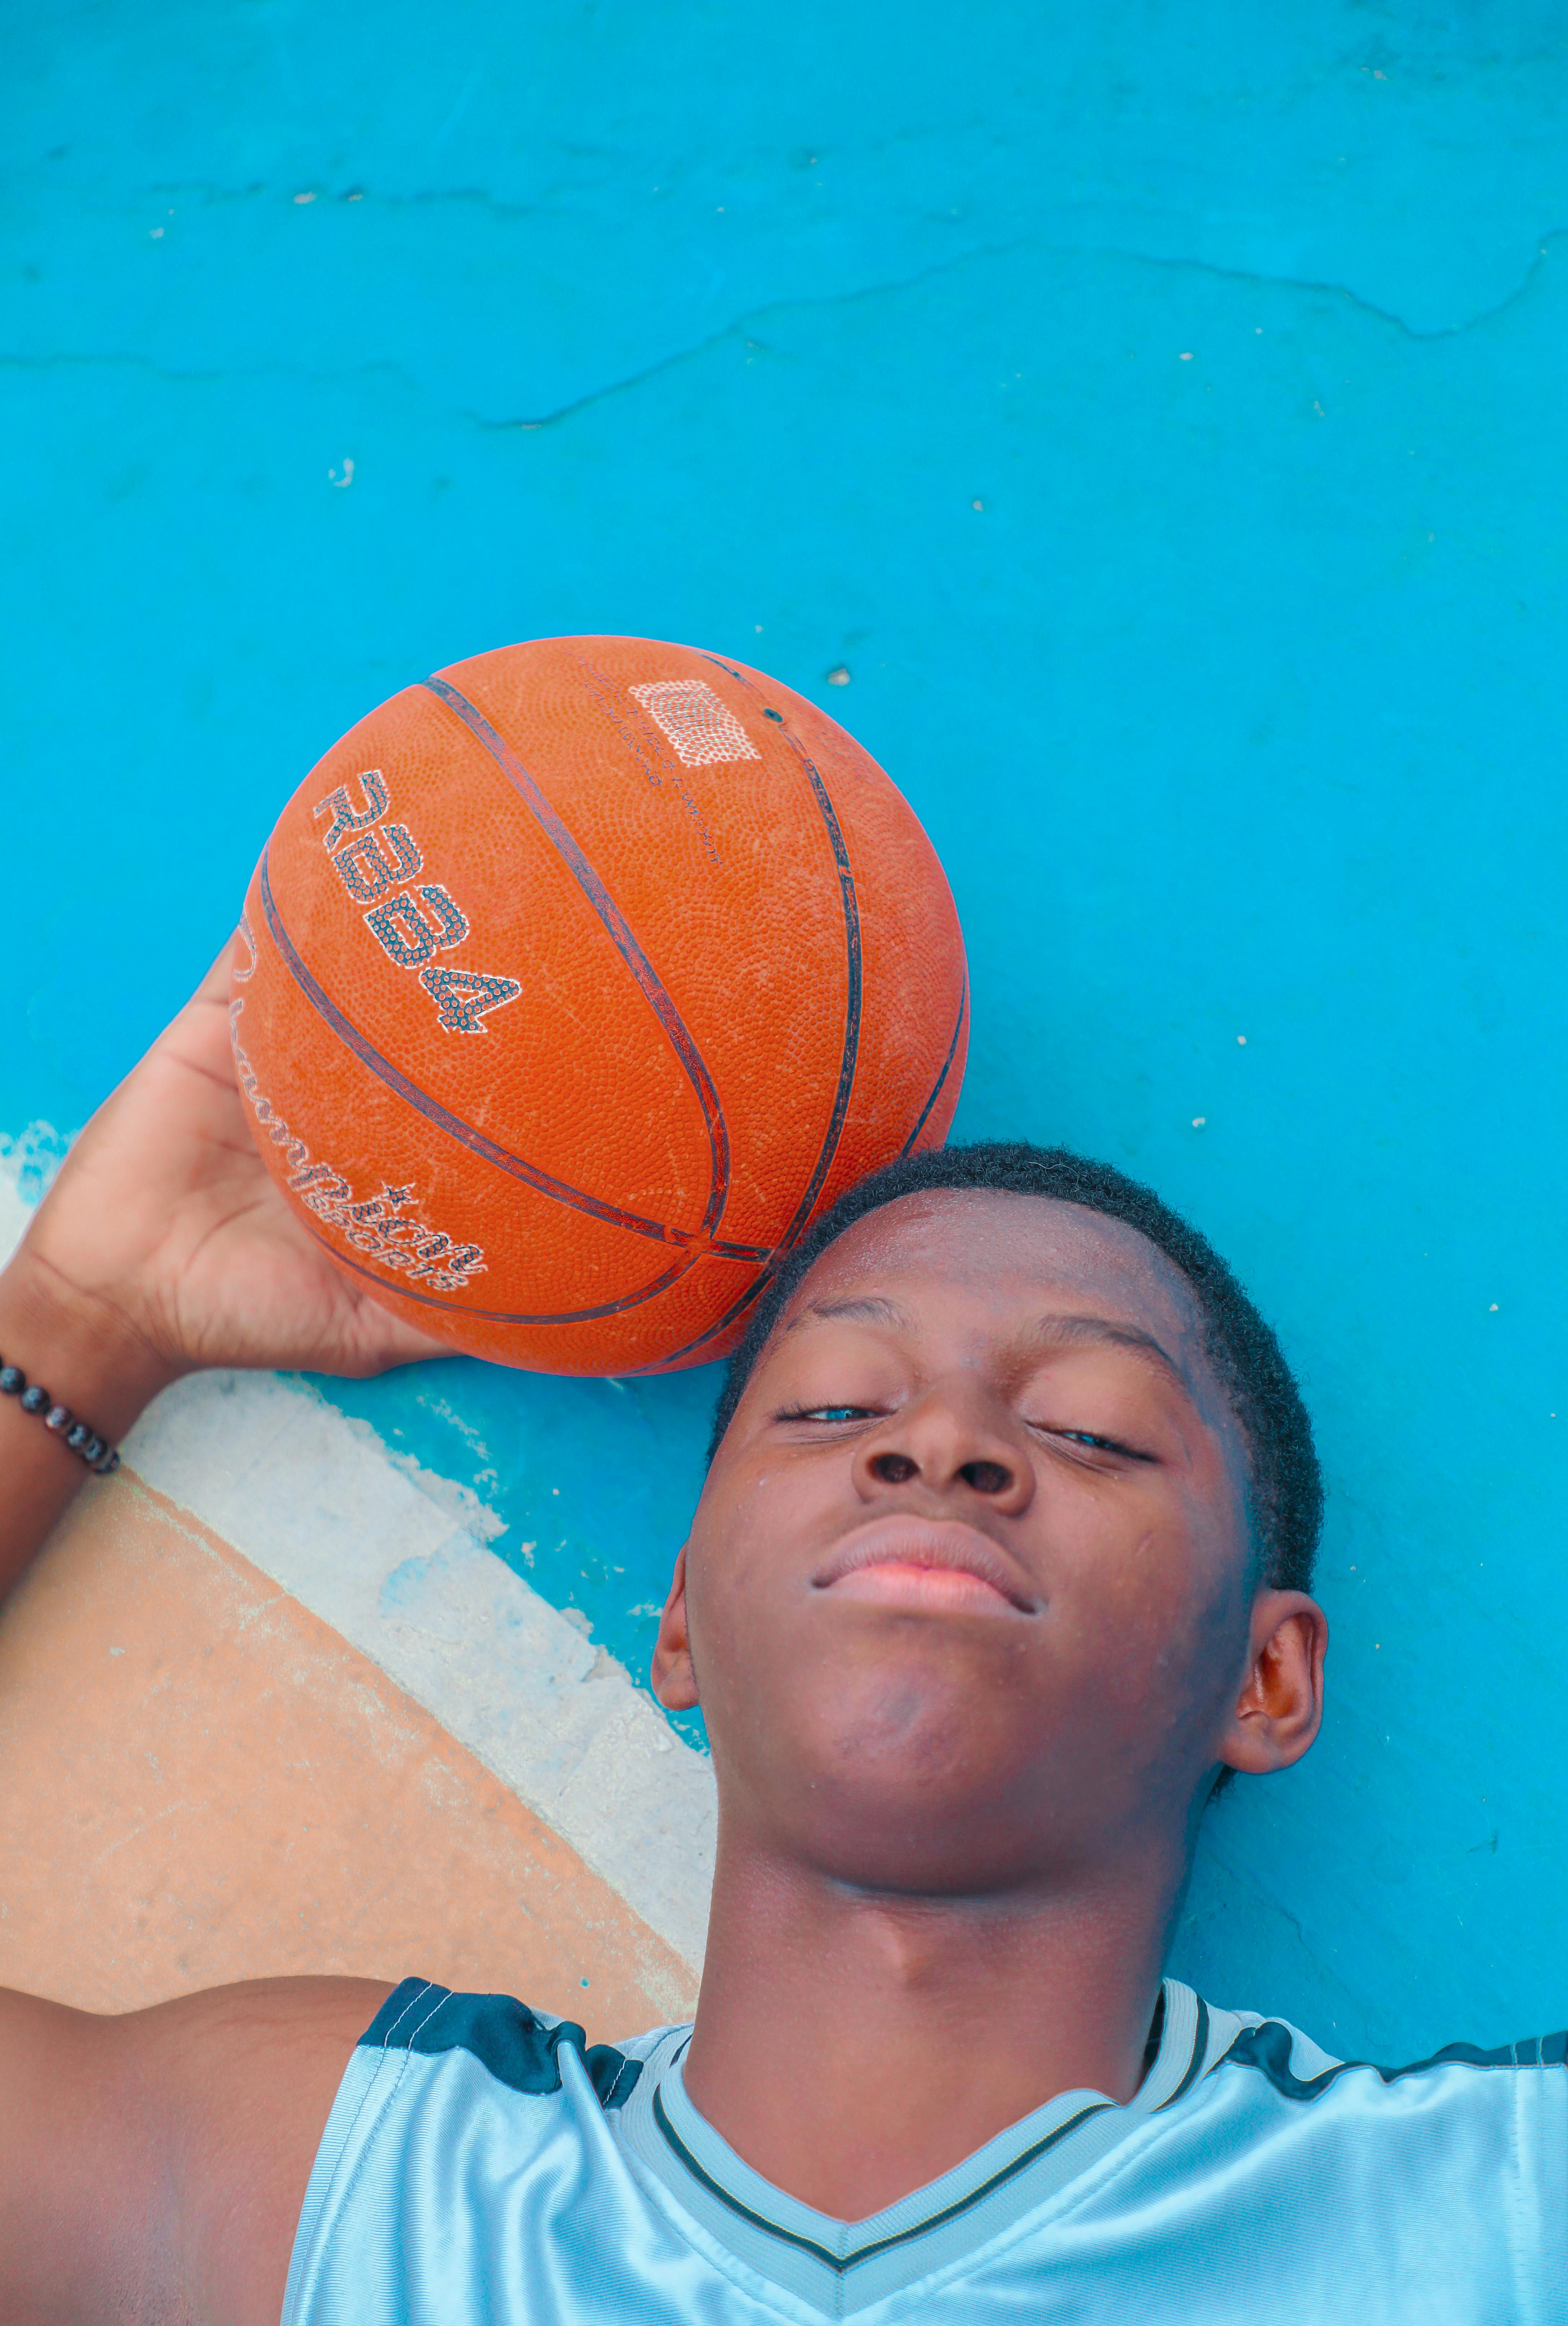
509, 1315
946, 1063
654, 991
841, 2262
432, 1109
711, 1332
853, 973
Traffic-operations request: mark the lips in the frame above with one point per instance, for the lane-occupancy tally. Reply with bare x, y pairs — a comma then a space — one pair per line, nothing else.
928, 1566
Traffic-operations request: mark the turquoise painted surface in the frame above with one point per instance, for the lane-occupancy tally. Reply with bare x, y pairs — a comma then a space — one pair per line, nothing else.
1236, 709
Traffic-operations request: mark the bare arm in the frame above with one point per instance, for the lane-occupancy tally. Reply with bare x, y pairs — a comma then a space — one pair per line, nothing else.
151, 2166
154, 2165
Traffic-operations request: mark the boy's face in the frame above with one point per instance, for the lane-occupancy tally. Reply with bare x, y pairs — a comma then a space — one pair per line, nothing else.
969, 1595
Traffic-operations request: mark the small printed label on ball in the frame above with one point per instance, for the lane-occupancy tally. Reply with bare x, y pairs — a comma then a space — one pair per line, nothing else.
373, 857
703, 731
388, 1227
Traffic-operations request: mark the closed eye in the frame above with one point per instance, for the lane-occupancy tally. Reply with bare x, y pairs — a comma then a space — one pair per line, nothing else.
826, 1413
1097, 1444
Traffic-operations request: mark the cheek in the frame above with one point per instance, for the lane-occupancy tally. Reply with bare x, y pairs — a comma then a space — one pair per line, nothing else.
1154, 1598
738, 1565
772, 1517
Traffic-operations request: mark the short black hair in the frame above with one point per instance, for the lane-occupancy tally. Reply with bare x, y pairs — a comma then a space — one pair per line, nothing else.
1285, 1486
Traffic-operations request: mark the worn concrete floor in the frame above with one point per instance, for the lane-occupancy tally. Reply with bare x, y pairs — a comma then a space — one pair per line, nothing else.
1157, 410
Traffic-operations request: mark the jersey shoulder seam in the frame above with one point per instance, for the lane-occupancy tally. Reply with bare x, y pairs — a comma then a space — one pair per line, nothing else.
518, 2047
1266, 2048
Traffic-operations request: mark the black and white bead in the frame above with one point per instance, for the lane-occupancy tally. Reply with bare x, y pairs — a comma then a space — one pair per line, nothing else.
84, 1441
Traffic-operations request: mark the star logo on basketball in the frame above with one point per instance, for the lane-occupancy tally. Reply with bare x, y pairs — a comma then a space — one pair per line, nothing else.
389, 1225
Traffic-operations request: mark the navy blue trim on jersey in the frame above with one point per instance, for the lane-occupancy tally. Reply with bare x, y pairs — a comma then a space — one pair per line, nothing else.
1268, 2048
518, 2048
840, 2263
1200, 2049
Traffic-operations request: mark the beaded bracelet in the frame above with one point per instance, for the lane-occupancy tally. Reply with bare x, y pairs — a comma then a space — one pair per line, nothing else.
99, 1456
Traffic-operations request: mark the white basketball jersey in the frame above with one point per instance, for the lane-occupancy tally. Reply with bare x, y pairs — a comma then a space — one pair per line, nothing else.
482, 2167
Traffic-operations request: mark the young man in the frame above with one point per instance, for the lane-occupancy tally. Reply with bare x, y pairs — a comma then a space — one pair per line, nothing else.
1001, 1563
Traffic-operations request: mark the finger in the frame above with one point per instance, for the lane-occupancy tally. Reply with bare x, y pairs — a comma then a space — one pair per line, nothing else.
201, 1034
406, 1344
388, 1340
214, 986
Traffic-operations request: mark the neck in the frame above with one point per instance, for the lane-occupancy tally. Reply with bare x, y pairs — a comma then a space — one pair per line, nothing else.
853, 2046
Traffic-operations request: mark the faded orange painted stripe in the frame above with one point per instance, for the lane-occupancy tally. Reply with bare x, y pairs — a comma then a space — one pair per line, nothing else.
201, 1780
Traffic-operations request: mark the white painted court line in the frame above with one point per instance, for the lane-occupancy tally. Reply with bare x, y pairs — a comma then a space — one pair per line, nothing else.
394, 1559
316, 1501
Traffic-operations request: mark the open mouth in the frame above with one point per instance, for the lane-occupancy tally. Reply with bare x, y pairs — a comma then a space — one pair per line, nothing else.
927, 1567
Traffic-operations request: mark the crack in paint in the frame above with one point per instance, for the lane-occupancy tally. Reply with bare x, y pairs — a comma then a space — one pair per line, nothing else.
754, 318
206, 191
748, 319
1332, 290
84, 358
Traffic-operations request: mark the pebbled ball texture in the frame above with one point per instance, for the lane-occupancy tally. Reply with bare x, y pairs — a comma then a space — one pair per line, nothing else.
576, 980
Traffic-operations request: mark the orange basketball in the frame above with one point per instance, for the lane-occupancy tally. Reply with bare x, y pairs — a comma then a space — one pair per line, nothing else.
575, 981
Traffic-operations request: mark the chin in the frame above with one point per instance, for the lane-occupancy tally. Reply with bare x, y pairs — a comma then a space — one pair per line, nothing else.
890, 1851
919, 1757
926, 1801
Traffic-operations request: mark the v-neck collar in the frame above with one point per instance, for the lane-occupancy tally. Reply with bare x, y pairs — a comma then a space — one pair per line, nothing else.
838, 2268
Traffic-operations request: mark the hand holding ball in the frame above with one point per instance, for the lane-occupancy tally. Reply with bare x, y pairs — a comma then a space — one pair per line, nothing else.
574, 982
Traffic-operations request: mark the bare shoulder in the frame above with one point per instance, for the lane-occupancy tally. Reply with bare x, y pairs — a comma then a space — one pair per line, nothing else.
166, 2152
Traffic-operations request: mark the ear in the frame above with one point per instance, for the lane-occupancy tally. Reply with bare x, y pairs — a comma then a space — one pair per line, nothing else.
674, 1680
1280, 1706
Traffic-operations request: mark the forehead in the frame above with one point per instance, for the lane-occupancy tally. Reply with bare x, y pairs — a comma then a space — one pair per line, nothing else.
974, 1272
1005, 1256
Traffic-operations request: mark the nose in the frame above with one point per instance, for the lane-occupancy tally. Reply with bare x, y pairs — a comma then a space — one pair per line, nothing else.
955, 1443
